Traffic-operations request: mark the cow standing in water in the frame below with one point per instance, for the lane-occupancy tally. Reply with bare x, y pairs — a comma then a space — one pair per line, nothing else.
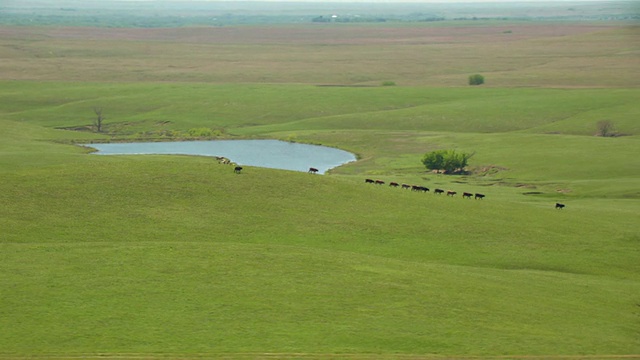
237, 169
312, 170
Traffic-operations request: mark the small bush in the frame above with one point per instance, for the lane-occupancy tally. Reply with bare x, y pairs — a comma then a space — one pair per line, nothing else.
605, 128
200, 132
292, 138
476, 79
169, 133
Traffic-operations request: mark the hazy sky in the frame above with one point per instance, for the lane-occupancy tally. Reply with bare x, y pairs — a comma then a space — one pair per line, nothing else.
399, 1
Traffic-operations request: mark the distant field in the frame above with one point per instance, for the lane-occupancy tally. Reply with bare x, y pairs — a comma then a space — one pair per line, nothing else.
177, 13
513, 55
179, 257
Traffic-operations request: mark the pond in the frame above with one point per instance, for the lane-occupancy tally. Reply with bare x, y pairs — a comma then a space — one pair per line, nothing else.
274, 154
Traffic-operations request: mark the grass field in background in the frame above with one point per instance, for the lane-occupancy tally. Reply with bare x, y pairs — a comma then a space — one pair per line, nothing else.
508, 54
177, 256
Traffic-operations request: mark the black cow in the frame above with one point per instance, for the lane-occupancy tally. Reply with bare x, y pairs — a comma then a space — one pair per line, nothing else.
559, 206
394, 184
237, 169
406, 186
467, 195
438, 191
451, 193
369, 181
479, 196
312, 170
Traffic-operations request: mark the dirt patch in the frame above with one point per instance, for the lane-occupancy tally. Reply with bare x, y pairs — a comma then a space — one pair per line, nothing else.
487, 170
81, 128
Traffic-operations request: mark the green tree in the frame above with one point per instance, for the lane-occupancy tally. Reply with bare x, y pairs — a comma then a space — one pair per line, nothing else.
476, 79
434, 160
97, 121
448, 160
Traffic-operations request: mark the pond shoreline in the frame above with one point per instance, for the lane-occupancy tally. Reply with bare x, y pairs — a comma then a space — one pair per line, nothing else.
268, 153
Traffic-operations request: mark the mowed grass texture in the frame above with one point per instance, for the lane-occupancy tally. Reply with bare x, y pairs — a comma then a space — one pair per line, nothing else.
179, 257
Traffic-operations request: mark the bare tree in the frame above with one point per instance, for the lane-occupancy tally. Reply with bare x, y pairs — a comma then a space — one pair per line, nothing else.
605, 128
97, 122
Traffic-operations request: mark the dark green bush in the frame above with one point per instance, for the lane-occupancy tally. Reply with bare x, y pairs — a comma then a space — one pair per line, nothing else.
448, 160
476, 79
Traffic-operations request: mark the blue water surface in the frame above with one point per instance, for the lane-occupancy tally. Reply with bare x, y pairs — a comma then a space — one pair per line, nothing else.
274, 154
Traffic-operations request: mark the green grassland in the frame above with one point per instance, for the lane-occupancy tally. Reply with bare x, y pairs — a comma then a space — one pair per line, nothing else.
179, 257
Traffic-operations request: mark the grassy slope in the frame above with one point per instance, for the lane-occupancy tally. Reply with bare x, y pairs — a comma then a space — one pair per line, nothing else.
522, 130
178, 255
131, 253
411, 108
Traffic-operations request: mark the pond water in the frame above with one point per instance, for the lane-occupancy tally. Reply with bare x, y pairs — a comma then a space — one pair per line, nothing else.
274, 154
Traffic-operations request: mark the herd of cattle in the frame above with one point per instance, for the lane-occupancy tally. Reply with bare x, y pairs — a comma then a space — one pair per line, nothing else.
466, 195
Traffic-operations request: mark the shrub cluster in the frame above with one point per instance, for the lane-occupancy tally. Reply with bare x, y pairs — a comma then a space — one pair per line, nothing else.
476, 79
449, 161
193, 133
